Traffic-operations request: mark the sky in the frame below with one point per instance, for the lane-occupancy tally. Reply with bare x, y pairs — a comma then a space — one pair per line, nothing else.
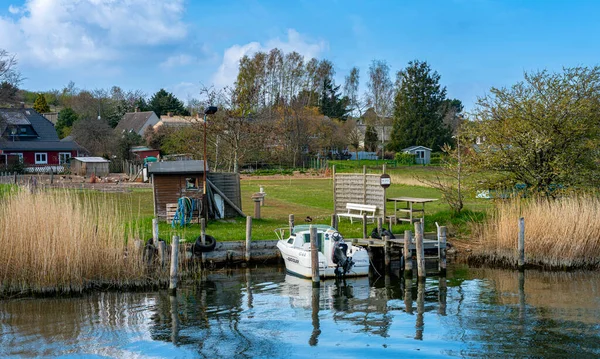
181, 45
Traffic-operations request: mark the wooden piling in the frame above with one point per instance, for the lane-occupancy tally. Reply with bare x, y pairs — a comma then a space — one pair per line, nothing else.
314, 256
420, 251
248, 237
291, 223
442, 251
521, 245
334, 221
202, 237
155, 231
174, 265
408, 268
379, 225
364, 225
420, 323
408, 296
386, 252
315, 304
162, 253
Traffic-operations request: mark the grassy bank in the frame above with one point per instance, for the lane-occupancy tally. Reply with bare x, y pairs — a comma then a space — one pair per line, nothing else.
563, 233
64, 242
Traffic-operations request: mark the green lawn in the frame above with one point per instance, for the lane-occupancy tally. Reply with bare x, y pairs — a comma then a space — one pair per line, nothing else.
300, 196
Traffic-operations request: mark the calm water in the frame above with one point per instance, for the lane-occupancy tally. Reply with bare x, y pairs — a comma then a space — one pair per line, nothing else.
268, 314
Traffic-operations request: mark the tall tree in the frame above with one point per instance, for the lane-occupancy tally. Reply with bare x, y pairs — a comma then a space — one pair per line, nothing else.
163, 102
419, 108
351, 92
40, 104
94, 135
543, 131
381, 95
371, 139
332, 104
10, 78
66, 118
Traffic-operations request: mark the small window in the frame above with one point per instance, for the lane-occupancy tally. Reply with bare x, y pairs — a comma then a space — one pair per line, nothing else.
191, 183
23, 130
64, 157
41, 158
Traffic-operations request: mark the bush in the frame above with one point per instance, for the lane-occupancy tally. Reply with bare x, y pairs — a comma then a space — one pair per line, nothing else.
405, 158
436, 158
18, 167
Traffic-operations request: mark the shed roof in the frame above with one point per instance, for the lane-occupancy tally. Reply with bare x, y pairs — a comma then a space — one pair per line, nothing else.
176, 167
412, 148
92, 159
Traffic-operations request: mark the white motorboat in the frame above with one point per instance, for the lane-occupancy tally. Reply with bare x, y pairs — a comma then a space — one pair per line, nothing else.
336, 258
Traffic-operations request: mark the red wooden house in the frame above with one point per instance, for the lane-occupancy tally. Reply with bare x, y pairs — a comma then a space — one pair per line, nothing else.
32, 139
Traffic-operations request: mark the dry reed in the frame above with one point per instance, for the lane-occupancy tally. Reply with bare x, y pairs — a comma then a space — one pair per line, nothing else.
62, 242
562, 233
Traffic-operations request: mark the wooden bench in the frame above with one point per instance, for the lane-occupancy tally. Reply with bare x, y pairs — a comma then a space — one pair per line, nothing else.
356, 210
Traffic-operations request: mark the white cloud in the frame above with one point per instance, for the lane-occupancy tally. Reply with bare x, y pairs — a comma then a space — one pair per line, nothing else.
14, 9
177, 60
228, 70
61, 33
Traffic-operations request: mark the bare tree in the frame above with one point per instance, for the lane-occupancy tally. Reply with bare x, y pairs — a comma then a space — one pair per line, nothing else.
381, 95
10, 78
94, 135
351, 91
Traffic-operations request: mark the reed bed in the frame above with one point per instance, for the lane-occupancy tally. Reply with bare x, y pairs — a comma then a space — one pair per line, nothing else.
562, 233
62, 241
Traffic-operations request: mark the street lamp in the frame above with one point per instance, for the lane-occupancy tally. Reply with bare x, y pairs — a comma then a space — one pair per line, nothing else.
210, 110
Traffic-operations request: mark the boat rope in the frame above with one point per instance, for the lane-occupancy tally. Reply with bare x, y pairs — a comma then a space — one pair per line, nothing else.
185, 209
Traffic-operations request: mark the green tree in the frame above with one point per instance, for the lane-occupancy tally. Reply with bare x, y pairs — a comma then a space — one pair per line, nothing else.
66, 118
419, 109
127, 140
371, 139
40, 104
332, 104
543, 131
164, 102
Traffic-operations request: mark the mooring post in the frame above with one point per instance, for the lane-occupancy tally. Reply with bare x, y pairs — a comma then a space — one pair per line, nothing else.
248, 237
174, 318
334, 221
162, 253
442, 251
155, 231
521, 263
386, 252
407, 254
379, 225
174, 265
314, 336
419, 325
391, 219
364, 225
291, 223
420, 251
314, 256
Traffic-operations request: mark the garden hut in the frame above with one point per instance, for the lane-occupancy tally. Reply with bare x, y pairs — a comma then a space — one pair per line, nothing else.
86, 166
422, 154
173, 180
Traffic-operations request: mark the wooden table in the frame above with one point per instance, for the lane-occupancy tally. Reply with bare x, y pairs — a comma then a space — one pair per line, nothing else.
410, 202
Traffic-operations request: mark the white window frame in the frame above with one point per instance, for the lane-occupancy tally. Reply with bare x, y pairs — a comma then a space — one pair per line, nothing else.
40, 161
61, 155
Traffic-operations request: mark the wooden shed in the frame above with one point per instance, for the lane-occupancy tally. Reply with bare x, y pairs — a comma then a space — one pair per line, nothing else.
86, 166
172, 180
422, 154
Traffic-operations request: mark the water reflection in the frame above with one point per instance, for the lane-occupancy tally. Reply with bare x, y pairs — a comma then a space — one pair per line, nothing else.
265, 313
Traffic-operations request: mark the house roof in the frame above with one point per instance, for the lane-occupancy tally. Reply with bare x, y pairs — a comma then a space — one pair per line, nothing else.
91, 159
28, 116
178, 121
412, 148
133, 121
176, 167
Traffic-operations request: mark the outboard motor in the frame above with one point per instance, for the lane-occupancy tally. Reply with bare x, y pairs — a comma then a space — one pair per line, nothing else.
344, 264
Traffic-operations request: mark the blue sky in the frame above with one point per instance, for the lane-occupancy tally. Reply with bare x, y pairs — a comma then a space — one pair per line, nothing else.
180, 44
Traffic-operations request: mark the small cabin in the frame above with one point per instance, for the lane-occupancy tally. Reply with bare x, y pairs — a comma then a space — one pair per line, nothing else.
422, 154
86, 166
172, 180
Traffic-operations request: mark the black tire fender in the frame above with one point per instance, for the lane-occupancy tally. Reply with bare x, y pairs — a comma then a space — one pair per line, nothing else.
209, 244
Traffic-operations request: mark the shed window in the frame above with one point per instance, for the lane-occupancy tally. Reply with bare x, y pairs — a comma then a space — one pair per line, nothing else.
420, 154
191, 183
41, 158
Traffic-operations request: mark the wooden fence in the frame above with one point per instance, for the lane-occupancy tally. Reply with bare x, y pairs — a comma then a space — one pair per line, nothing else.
361, 188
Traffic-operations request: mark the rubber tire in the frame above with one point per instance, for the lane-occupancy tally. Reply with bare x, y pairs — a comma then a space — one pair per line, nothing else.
209, 245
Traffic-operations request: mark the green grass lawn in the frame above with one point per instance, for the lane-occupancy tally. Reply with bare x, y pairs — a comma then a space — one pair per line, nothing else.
300, 196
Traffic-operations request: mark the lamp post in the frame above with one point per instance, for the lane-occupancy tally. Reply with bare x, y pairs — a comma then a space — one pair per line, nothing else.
208, 111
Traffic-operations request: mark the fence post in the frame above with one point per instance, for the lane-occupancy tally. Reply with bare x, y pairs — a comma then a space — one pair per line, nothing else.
174, 265
407, 255
364, 225
314, 257
442, 251
521, 262
248, 237
420, 251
